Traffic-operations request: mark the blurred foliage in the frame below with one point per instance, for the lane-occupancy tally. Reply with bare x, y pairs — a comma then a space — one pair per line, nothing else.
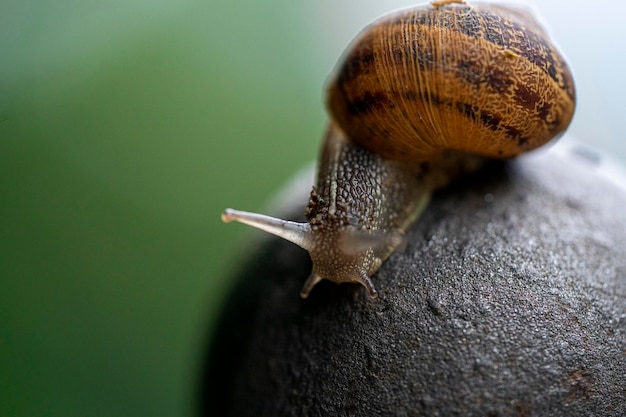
125, 129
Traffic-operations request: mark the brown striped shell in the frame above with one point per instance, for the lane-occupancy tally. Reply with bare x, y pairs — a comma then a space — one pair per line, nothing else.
483, 79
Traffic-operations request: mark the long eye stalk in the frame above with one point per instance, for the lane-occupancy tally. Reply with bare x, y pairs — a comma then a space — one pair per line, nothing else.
294, 232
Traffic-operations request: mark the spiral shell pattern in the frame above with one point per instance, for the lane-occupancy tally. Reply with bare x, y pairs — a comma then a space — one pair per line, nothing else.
483, 79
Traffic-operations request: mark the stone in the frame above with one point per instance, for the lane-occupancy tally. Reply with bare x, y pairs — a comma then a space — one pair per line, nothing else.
509, 299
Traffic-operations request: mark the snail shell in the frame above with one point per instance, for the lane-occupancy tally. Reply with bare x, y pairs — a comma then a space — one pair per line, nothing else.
483, 79
422, 95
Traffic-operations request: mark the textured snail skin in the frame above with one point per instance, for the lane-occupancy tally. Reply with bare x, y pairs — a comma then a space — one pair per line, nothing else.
363, 203
423, 95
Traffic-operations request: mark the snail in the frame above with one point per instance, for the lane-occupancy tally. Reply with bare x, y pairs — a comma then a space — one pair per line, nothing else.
422, 95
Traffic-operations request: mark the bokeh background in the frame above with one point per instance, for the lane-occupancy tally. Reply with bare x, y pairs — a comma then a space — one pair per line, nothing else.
127, 126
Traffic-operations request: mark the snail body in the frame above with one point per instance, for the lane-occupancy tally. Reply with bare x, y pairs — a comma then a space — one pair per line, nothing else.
421, 96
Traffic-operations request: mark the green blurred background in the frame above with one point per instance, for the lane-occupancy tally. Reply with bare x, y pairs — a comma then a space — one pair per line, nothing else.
125, 128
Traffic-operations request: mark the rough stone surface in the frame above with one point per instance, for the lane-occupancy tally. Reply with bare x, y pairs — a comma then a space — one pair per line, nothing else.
508, 300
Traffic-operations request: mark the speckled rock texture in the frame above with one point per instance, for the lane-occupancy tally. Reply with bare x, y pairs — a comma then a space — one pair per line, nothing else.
508, 300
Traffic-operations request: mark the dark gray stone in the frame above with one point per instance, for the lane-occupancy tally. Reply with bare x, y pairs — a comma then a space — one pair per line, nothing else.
509, 300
